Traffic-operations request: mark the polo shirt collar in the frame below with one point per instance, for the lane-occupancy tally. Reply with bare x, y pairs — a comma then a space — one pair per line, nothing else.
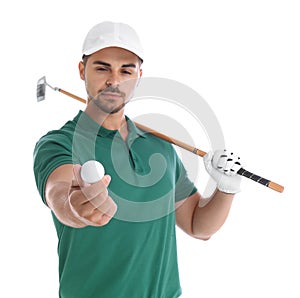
90, 126
133, 130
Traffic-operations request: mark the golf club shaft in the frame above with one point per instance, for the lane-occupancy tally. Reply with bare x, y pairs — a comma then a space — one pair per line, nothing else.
201, 153
171, 140
242, 172
72, 95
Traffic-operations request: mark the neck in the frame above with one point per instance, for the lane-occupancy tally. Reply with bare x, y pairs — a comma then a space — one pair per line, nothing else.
116, 121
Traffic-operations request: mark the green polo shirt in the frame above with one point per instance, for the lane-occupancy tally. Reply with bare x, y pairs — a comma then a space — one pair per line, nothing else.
134, 255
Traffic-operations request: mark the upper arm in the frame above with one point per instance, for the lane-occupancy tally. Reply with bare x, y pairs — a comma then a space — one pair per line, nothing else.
185, 211
51, 152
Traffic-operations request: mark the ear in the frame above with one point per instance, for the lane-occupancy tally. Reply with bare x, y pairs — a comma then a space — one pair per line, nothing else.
81, 70
139, 78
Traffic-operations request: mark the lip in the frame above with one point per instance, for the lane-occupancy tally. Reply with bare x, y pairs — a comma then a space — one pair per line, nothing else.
111, 95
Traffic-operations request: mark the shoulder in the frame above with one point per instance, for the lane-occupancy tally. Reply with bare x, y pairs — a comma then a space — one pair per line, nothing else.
63, 134
56, 140
59, 136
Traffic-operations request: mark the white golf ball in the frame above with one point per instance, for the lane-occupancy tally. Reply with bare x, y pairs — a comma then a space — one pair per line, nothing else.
92, 171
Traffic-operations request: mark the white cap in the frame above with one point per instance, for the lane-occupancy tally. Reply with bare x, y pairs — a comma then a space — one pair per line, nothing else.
109, 34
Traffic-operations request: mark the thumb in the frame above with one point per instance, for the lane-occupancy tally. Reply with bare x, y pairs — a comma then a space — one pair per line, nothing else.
106, 180
207, 160
77, 175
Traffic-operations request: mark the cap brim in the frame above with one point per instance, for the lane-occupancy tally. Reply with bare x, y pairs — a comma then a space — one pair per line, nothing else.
118, 45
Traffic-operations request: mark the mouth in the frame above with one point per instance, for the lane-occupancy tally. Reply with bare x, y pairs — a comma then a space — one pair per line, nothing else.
111, 95
111, 91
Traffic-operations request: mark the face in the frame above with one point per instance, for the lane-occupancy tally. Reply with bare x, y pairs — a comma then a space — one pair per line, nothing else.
111, 76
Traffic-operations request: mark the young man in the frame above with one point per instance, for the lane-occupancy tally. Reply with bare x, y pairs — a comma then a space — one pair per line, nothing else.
117, 236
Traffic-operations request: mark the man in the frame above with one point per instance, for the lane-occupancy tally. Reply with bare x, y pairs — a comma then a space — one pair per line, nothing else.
117, 236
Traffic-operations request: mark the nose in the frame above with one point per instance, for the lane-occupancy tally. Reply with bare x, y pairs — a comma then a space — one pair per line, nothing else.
113, 80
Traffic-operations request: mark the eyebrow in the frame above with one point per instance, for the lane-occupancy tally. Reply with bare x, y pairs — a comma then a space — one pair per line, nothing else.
98, 62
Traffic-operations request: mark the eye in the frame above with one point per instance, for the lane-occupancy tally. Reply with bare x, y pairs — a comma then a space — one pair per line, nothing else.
101, 69
126, 72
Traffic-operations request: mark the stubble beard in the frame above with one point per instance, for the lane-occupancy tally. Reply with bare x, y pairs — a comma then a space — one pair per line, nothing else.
107, 105
107, 109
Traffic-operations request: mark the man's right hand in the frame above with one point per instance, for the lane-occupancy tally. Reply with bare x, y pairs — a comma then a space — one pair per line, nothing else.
91, 203
76, 203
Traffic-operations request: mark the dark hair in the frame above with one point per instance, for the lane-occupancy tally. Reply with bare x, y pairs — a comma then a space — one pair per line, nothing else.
85, 59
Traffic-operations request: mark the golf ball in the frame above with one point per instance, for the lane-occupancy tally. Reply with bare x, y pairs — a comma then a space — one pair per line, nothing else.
92, 171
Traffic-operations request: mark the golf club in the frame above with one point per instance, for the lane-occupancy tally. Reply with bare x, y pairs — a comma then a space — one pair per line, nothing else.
41, 93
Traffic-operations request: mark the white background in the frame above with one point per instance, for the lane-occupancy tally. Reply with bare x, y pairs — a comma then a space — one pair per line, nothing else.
241, 56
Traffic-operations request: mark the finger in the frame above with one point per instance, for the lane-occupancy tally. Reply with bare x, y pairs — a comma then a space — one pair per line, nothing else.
89, 190
232, 165
101, 215
219, 159
100, 196
221, 163
207, 159
106, 180
74, 183
102, 218
235, 167
89, 211
98, 189
76, 171
95, 193
108, 207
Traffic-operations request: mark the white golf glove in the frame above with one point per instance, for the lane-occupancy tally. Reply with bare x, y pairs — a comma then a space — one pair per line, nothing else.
222, 166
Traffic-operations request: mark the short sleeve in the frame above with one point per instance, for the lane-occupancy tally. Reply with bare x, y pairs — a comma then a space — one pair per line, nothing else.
184, 186
50, 152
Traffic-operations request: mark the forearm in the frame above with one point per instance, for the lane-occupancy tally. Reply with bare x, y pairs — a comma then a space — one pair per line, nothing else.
203, 221
208, 219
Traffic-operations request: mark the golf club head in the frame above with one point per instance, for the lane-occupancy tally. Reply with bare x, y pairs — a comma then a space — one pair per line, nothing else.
41, 89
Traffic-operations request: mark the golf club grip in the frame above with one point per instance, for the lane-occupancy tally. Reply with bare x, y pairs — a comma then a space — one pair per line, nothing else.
201, 153
72, 95
260, 180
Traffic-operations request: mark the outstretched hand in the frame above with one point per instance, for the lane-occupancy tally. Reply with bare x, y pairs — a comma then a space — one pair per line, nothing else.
91, 203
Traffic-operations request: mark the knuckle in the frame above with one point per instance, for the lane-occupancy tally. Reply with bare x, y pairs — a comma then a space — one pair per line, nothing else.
114, 206
104, 220
103, 197
83, 212
96, 190
74, 198
93, 207
104, 193
99, 219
